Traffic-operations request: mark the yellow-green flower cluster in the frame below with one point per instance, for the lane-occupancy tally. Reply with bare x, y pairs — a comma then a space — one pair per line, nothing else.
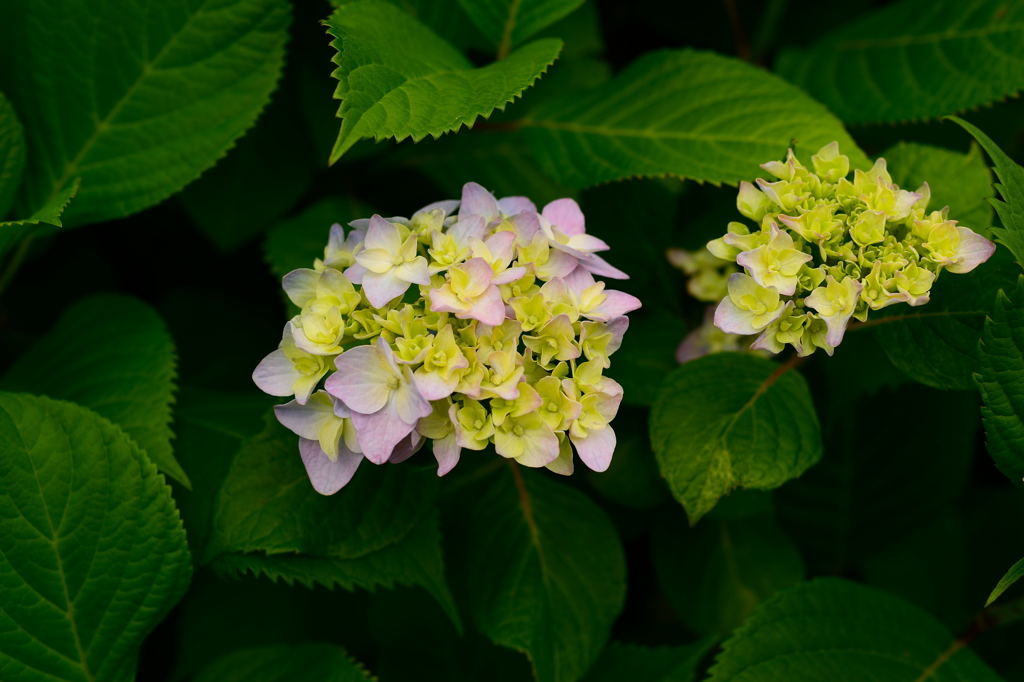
824, 249
474, 323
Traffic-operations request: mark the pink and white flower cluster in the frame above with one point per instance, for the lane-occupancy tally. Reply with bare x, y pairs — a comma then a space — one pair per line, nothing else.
473, 323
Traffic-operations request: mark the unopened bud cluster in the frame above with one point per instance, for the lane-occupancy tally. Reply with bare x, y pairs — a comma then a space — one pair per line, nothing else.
824, 249
473, 323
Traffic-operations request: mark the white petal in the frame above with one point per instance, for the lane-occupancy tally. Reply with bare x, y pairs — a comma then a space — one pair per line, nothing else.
328, 476
276, 375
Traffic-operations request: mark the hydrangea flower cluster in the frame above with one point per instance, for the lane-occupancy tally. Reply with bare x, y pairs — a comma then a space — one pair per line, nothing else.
472, 323
826, 249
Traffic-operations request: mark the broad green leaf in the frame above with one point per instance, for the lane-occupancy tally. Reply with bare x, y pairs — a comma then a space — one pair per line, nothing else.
683, 114
621, 661
835, 630
257, 183
286, 663
896, 459
961, 181
543, 571
299, 240
209, 428
112, 354
732, 420
444, 17
498, 160
937, 344
135, 98
380, 531
12, 154
92, 551
50, 213
715, 574
1015, 573
913, 60
1010, 205
506, 23
1000, 379
398, 79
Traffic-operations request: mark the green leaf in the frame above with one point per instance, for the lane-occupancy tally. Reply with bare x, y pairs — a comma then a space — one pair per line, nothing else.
544, 571
209, 427
92, 552
507, 23
831, 629
12, 154
381, 530
136, 100
636, 663
257, 183
398, 79
298, 241
914, 60
679, 113
1010, 205
715, 574
732, 420
50, 213
286, 663
1000, 379
937, 344
961, 181
1015, 573
114, 355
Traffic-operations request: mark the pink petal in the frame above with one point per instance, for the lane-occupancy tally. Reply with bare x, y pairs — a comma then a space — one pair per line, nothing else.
433, 386
477, 201
489, 308
729, 318
513, 205
527, 224
405, 449
597, 448
566, 215
383, 235
417, 272
276, 375
599, 266
617, 326
328, 477
588, 243
446, 452
361, 381
355, 273
510, 275
408, 403
380, 289
303, 420
974, 250
379, 433
617, 304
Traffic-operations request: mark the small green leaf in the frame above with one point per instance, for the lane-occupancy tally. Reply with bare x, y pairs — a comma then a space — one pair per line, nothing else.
937, 344
1010, 205
112, 354
544, 571
1000, 379
398, 79
135, 100
715, 574
835, 630
636, 663
92, 551
506, 23
50, 213
680, 113
286, 663
1015, 573
298, 241
381, 530
961, 181
12, 154
732, 420
914, 60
